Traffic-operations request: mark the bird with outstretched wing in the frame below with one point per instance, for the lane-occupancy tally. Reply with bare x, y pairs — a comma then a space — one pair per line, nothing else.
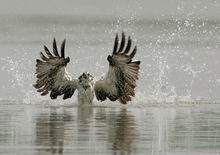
118, 84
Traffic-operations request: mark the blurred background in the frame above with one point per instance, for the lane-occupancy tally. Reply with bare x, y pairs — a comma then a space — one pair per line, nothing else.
178, 43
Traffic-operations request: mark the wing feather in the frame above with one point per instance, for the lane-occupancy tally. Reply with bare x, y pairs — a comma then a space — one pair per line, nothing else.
48, 52
120, 81
122, 43
128, 45
133, 52
43, 57
63, 49
52, 76
116, 44
55, 51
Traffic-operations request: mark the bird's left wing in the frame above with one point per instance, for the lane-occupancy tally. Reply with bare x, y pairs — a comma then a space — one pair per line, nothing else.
51, 74
120, 81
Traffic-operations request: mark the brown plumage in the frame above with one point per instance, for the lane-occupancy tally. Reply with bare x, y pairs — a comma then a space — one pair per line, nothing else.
118, 84
51, 74
124, 73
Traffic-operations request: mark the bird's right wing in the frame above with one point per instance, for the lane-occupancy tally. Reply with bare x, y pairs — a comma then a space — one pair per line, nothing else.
52, 75
120, 80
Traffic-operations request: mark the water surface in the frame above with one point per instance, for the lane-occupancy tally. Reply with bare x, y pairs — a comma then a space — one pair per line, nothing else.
59, 129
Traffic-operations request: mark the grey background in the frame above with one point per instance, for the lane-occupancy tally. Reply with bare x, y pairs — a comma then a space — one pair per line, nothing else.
147, 9
178, 43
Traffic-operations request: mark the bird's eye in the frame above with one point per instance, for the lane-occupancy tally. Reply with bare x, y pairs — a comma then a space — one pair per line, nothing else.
109, 58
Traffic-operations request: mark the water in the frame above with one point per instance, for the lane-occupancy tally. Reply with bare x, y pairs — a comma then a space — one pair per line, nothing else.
60, 129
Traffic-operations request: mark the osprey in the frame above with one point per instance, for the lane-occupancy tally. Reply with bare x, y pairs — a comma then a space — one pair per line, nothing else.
118, 84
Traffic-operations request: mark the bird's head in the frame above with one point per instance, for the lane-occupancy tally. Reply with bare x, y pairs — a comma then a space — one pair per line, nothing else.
110, 60
86, 79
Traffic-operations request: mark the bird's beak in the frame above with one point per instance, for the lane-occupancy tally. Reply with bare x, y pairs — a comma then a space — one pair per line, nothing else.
110, 60
67, 60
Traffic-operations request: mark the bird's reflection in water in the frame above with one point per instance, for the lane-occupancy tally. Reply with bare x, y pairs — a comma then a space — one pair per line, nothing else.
84, 120
84, 114
122, 132
116, 128
50, 131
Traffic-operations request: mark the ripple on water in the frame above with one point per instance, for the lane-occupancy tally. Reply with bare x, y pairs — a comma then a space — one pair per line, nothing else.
50, 129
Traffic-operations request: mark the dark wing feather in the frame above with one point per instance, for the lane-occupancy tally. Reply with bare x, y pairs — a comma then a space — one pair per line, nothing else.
55, 51
133, 52
52, 76
120, 81
43, 57
122, 43
115, 44
48, 52
63, 49
128, 45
